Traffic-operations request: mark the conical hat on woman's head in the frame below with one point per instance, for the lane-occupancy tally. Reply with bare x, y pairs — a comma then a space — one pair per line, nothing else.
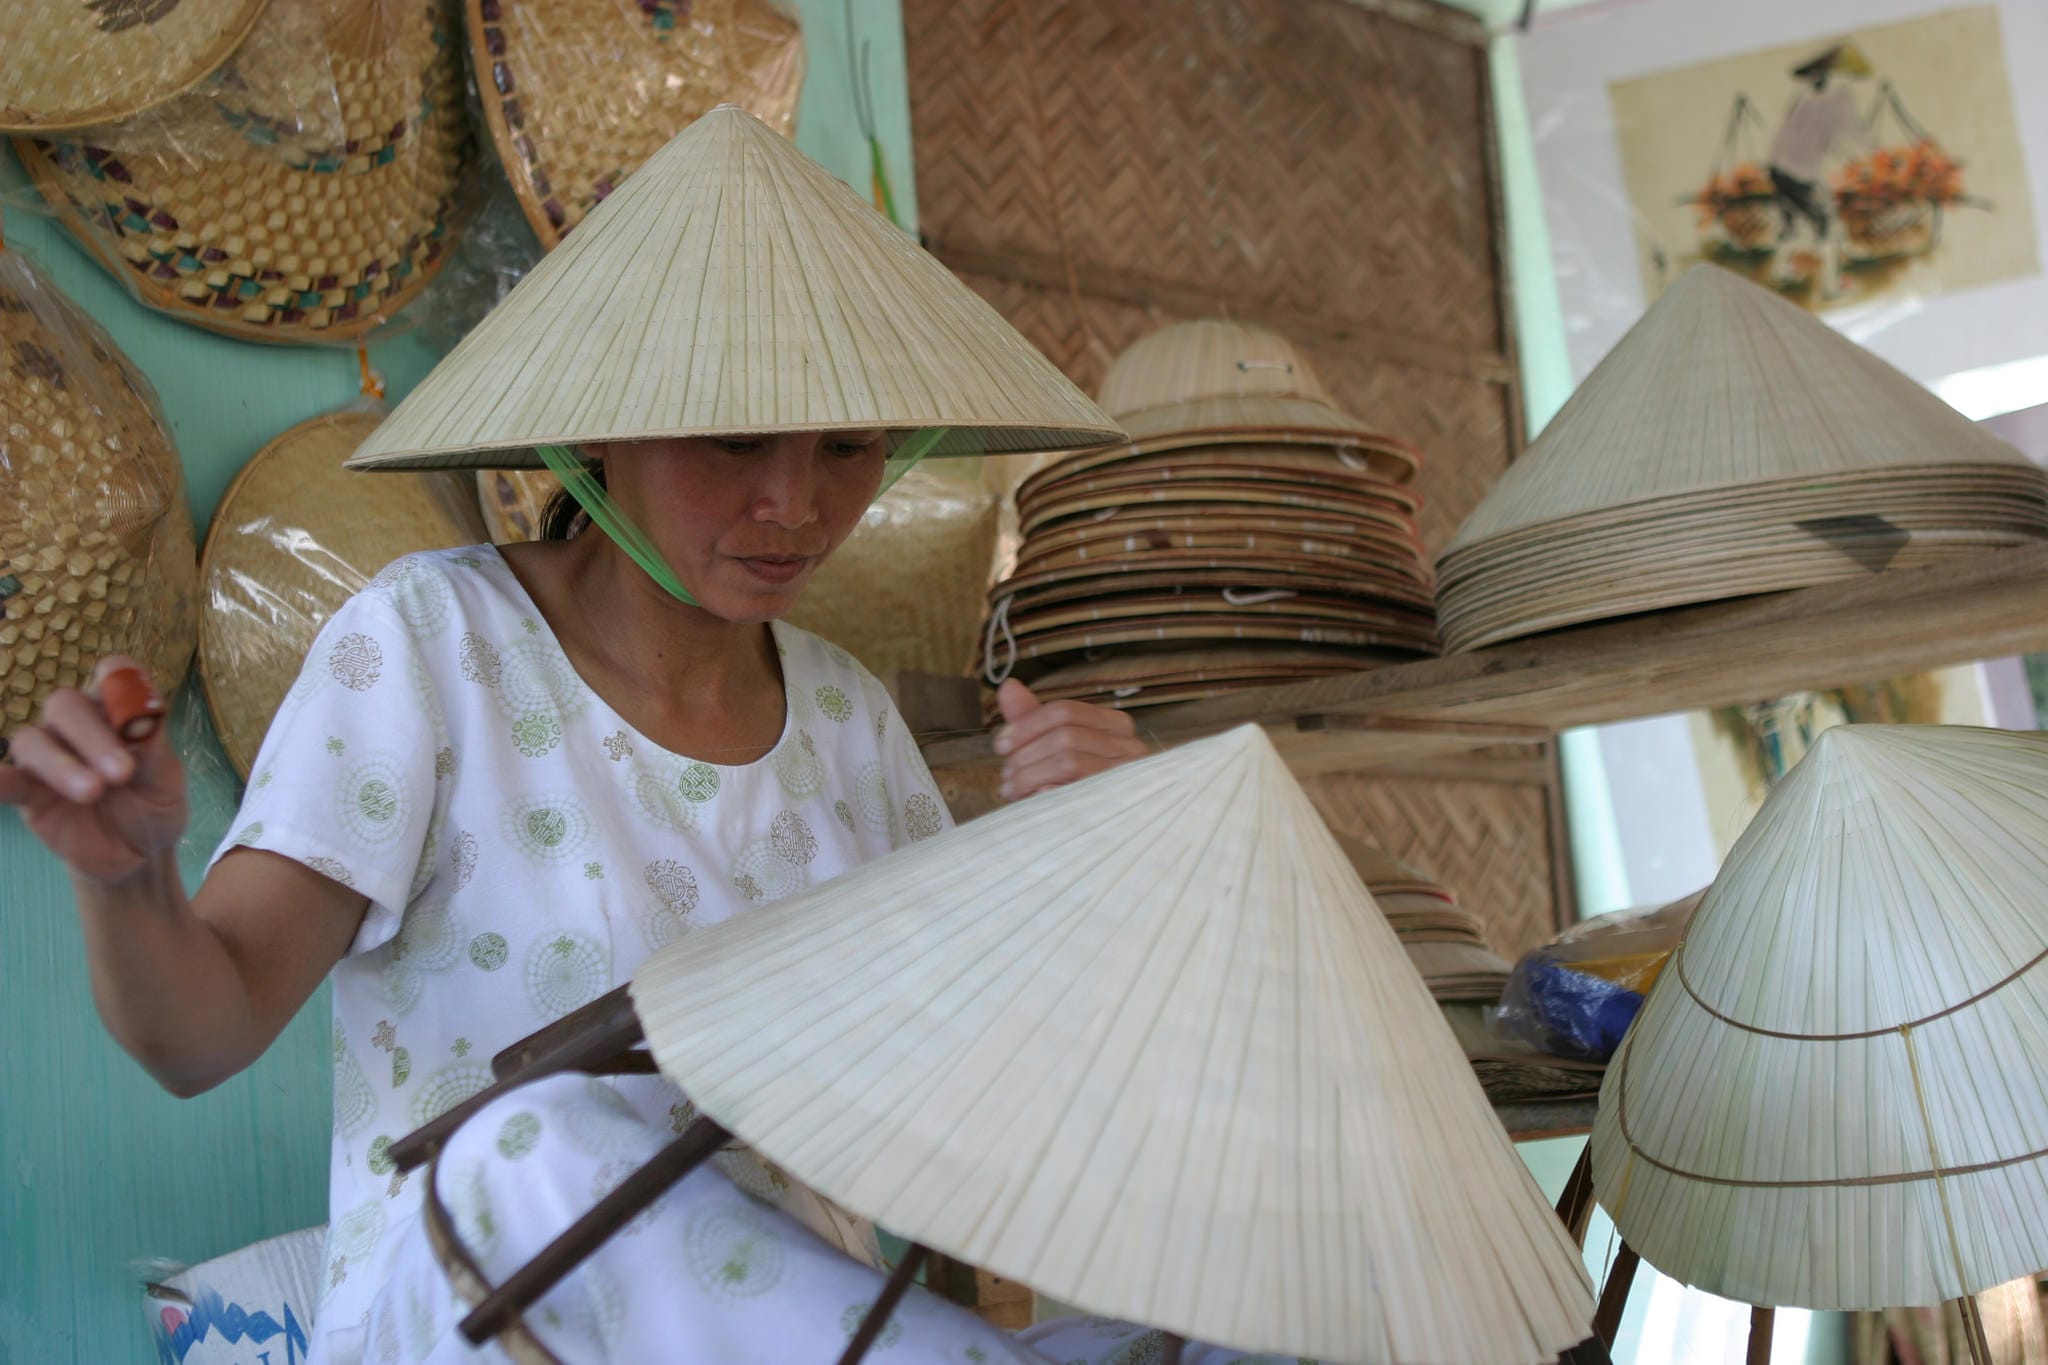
1836, 1095
732, 286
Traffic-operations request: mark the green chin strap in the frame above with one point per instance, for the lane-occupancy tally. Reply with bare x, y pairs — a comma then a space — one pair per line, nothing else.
604, 514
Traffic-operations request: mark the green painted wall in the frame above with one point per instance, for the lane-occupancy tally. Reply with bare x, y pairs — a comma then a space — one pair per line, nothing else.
98, 1167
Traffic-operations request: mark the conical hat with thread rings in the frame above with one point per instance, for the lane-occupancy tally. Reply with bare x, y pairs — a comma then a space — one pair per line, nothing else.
75, 63
95, 531
732, 286
578, 93
1143, 1044
1835, 1095
1724, 384
294, 537
310, 197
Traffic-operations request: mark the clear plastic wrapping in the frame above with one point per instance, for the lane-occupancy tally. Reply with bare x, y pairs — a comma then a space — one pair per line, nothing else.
294, 537
306, 191
1577, 995
95, 532
577, 93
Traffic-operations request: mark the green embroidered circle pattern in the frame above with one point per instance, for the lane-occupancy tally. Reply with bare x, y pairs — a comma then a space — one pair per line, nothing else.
536, 734
845, 814
476, 1222
733, 1254
420, 595
797, 767
432, 938
448, 1087
401, 1067
603, 1123
353, 1102
380, 1157
762, 874
488, 951
699, 782
657, 792
538, 679
871, 799
401, 984
563, 973
519, 1135
376, 802
855, 1314
550, 829
357, 1232
834, 704
249, 834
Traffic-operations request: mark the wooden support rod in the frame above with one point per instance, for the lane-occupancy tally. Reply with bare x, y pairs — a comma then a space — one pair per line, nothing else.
878, 1313
555, 1260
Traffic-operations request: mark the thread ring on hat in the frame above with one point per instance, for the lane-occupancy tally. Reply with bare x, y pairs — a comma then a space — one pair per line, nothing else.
1678, 960
1840, 1182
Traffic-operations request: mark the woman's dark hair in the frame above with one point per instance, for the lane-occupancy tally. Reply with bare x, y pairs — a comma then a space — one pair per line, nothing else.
563, 518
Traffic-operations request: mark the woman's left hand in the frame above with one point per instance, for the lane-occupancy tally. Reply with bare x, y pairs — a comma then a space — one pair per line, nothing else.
1049, 744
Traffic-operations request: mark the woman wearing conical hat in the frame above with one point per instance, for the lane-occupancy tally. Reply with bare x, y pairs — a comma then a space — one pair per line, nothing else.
505, 777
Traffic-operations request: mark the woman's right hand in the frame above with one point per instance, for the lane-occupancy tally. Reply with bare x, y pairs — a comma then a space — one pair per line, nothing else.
106, 807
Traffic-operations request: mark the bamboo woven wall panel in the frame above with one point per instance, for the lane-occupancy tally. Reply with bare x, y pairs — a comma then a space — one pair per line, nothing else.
1489, 842
1459, 421
1309, 156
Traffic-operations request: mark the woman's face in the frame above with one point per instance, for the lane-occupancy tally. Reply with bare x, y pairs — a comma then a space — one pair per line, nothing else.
744, 520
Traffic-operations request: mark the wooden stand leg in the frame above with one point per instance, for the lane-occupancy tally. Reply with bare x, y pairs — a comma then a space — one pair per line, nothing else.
1973, 1330
1614, 1295
878, 1315
1575, 1205
546, 1270
588, 1038
1761, 1321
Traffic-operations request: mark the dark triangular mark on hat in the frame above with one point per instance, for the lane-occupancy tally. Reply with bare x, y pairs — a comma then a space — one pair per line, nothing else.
1871, 541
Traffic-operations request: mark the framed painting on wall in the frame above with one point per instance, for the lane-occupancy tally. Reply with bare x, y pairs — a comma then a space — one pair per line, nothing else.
1877, 161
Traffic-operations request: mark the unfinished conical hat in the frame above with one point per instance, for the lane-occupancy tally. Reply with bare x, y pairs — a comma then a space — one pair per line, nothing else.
74, 63
1381, 870
294, 537
1142, 1044
1722, 384
1212, 375
1836, 1095
732, 286
95, 532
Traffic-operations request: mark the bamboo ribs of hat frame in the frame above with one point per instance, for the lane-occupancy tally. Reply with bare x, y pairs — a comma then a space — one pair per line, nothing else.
1575, 1207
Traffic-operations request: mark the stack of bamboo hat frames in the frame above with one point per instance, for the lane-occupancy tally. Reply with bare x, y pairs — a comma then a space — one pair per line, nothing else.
1248, 531
293, 538
67, 65
1730, 444
307, 192
95, 533
1835, 1095
1038, 1043
579, 93
1446, 942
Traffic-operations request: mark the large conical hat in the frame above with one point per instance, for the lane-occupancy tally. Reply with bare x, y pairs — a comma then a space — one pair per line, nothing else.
732, 286
1720, 384
1142, 1044
1836, 1095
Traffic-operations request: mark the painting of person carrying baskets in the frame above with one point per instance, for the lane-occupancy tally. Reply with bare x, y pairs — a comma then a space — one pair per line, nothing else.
1891, 165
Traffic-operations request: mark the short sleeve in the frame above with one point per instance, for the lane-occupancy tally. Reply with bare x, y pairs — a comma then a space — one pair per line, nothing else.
345, 780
